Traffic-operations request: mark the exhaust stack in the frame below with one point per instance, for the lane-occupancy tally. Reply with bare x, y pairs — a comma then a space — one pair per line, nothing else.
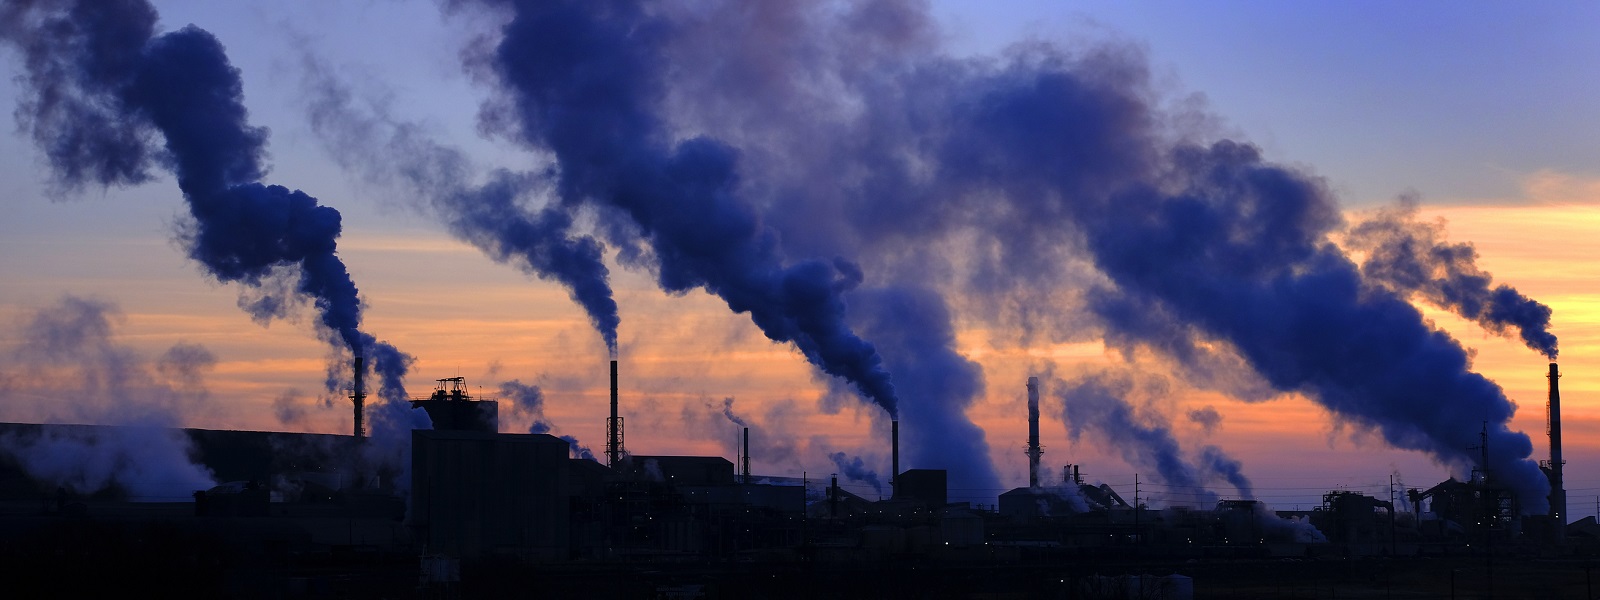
613, 425
358, 397
894, 474
1034, 450
1558, 494
745, 461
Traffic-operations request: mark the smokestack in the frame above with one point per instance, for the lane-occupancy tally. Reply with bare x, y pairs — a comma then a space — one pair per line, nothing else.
833, 497
746, 459
613, 425
894, 474
1558, 494
1034, 450
358, 397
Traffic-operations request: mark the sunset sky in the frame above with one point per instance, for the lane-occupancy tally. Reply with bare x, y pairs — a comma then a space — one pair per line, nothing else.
1488, 113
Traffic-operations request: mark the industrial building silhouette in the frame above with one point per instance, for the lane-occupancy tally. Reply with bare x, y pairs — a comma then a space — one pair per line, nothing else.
484, 513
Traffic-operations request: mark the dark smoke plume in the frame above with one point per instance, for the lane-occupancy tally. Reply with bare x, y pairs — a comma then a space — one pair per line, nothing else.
529, 400
581, 81
1214, 460
823, 129
493, 215
103, 88
1413, 257
1207, 417
914, 328
854, 469
1097, 404
1234, 249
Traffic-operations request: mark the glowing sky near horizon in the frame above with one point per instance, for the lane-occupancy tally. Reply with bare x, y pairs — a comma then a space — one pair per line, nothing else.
1490, 112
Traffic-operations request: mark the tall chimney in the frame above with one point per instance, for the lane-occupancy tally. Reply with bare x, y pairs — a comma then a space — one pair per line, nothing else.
1558, 494
745, 461
613, 425
1034, 450
833, 497
358, 397
894, 474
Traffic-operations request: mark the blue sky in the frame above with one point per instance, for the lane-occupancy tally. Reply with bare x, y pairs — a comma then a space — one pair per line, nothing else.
1455, 100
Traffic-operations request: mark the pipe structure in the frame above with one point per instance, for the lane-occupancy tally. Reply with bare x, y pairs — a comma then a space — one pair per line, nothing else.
613, 425
894, 474
358, 397
833, 497
1034, 449
1558, 493
745, 460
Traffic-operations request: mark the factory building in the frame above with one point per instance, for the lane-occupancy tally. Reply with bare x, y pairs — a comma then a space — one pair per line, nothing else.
477, 494
474, 496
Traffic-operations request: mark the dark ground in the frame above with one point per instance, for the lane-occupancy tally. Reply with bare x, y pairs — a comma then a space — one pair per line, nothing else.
1243, 579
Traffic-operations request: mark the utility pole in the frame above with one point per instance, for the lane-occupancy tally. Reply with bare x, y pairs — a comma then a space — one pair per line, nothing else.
1139, 536
1489, 506
1393, 545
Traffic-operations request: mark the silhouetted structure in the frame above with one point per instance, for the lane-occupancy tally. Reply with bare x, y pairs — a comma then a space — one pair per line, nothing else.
477, 494
1554, 466
451, 408
894, 453
1035, 451
614, 449
358, 398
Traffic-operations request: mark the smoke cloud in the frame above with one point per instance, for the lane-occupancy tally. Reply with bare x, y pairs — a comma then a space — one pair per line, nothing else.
1207, 417
68, 367
529, 400
103, 88
854, 469
1049, 183
492, 216
913, 327
828, 169
1413, 257
1098, 404
771, 444
579, 80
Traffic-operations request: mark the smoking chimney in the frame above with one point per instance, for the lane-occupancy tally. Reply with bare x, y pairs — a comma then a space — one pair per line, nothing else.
1558, 494
745, 461
894, 474
613, 425
358, 397
1034, 450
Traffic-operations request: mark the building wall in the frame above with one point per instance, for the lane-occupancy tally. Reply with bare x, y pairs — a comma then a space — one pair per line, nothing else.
476, 494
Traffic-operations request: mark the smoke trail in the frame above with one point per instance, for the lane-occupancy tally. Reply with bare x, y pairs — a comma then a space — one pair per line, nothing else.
102, 85
854, 469
829, 130
727, 411
1097, 403
529, 400
76, 65
1216, 461
913, 327
68, 355
771, 440
1238, 250
490, 216
577, 449
581, 80
1412, 257
1207, 417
